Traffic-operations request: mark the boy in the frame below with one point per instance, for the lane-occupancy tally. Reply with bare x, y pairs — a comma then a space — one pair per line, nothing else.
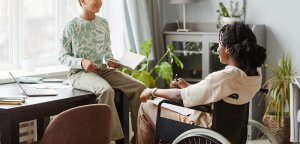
85, 44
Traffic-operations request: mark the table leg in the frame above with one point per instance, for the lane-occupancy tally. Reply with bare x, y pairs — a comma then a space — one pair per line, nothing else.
9, 130
42, 124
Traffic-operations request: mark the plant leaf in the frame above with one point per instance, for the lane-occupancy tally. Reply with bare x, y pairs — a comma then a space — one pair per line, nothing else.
146, 47
144, 77
278, 85
177, 61
164, 71
143, 67
125, 70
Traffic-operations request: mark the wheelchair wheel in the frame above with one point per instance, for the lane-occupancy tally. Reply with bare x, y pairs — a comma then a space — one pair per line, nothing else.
258, 133
200, 136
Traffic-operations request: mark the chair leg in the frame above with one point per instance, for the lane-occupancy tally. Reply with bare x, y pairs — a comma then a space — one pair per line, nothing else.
123, 112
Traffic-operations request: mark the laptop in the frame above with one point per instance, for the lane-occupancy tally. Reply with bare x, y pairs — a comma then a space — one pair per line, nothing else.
31, 92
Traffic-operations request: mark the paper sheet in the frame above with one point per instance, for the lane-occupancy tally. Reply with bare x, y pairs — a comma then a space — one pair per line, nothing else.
182, 110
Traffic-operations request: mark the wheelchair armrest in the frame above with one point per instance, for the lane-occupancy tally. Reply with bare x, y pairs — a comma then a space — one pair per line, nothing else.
203, 108
170, 102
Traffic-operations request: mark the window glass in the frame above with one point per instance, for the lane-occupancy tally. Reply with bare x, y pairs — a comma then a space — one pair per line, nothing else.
37, 28
73, 9
4, 31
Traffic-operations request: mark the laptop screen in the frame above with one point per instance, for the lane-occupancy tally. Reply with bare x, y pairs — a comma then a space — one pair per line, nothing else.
19, 84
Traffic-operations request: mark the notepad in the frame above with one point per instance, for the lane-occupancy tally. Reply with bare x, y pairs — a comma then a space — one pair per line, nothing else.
130, 60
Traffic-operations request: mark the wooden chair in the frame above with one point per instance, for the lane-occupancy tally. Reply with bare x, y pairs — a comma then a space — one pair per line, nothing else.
88, 124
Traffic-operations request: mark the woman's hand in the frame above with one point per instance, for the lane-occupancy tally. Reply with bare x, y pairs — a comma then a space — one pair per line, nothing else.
180, 82
88, 66
145, 95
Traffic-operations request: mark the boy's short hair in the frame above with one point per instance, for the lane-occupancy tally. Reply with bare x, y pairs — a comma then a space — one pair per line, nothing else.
79, 2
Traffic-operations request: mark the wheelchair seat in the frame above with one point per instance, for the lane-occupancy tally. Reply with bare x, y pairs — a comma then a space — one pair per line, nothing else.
227, 119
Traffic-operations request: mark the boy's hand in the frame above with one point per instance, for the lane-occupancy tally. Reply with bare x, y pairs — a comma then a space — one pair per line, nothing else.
179, 82
88, 66
113, 63
145, 95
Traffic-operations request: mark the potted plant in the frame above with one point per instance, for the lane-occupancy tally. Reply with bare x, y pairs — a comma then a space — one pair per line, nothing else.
162, 69
224, 17
277, 111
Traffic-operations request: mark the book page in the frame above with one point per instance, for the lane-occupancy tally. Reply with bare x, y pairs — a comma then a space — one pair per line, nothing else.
131, 60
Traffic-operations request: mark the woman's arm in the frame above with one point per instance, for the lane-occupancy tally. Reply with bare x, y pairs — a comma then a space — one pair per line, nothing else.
172, 94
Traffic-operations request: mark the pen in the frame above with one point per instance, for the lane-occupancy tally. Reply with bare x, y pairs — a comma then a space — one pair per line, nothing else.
176, 78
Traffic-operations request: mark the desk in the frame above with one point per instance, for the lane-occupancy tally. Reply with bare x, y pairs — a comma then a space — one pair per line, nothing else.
40, 108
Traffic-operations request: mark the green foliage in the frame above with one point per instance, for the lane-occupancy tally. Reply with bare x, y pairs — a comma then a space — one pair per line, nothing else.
163, 68
144, 77
235, 11
278, 97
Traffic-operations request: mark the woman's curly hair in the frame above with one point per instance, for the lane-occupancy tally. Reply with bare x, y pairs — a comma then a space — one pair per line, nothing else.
241, 42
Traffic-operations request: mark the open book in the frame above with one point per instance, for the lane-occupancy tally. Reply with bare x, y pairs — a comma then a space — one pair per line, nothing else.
130, 60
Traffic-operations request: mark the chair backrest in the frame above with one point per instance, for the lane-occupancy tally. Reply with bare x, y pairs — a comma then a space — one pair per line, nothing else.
231, 121
88, 124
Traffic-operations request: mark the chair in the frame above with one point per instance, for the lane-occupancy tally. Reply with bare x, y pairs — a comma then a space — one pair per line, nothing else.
88, 124
233, 127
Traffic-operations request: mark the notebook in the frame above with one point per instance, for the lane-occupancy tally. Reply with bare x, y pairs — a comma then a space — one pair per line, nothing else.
130, 60
31, 92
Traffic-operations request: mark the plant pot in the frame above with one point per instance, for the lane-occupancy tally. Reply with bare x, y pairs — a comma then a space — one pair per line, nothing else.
281, 132
230, 20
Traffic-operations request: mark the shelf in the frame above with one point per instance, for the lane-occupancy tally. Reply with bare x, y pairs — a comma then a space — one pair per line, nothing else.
193, 79
186, 52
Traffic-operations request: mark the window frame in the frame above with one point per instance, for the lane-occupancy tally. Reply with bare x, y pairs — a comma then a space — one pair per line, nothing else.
15, 36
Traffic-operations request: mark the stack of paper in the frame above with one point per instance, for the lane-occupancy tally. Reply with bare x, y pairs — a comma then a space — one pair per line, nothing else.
12, 100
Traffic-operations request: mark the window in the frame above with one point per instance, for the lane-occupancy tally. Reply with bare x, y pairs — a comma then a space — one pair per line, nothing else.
32, 29
37, 24
4, 33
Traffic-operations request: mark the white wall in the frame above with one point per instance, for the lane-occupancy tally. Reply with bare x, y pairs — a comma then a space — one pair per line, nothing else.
281, 17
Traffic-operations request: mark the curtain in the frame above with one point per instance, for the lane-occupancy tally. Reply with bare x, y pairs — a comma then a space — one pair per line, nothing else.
113, 11
143, 23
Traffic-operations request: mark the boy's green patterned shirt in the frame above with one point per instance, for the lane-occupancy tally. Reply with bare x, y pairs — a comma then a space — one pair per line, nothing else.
84, 39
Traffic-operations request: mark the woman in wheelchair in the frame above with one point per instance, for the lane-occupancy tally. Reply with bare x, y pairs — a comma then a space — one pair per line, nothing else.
239, 50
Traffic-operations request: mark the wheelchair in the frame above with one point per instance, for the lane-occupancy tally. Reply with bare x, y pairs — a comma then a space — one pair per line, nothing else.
230, 125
